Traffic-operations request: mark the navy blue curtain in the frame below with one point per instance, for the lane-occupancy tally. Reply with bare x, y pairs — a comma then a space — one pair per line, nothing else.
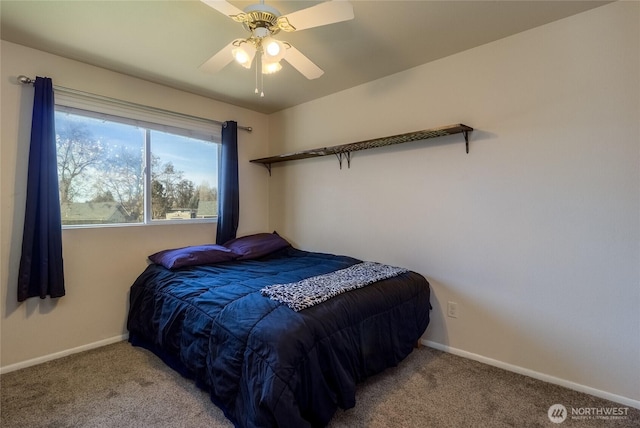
41, 273
228, 189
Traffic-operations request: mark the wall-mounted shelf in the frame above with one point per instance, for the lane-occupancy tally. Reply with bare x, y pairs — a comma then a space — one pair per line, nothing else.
343, 151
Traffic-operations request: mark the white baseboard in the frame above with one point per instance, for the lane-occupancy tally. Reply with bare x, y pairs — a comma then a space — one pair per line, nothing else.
536, 375
56, 355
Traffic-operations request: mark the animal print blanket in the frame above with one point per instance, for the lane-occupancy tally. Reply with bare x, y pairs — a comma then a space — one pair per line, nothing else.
311, 291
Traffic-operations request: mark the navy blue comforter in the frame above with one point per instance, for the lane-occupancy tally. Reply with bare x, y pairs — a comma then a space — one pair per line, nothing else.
264, 364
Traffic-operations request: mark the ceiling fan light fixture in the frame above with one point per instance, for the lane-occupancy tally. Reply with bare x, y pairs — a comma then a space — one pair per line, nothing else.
271, 67
244, 53
273, 50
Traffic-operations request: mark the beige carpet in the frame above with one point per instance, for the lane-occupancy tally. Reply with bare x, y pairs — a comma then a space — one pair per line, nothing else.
122, 386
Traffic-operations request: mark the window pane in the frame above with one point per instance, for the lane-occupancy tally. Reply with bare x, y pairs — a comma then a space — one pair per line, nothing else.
102, 174
99, 170
184, 177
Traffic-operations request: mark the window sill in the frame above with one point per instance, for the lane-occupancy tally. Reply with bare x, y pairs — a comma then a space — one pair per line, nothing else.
152, 223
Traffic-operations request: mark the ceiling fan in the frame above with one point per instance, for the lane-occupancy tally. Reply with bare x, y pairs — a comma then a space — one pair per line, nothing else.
263, 22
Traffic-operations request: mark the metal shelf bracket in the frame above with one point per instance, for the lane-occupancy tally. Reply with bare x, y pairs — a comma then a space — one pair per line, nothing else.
466, 139
346, 155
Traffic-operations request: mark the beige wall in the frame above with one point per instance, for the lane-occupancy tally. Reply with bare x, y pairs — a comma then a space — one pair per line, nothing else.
535, 233
100, 264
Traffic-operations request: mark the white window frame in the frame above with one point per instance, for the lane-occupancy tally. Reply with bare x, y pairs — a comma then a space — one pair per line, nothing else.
148, 118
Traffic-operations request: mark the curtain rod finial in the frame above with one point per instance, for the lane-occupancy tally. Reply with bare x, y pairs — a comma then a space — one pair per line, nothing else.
25, 80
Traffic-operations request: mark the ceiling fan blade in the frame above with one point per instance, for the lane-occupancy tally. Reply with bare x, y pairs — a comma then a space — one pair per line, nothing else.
222, 6
219, 60
303, 64
325, 13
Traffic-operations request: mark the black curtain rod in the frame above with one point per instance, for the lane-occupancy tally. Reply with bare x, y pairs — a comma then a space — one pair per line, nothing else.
29, 81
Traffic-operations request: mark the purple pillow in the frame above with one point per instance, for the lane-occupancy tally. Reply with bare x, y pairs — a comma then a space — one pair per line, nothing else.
258, 245
192, 256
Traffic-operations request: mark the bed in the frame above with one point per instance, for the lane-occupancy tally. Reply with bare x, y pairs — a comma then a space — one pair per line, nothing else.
262, 362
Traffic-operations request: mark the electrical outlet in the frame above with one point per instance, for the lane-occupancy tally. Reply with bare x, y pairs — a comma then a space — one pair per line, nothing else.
452, 309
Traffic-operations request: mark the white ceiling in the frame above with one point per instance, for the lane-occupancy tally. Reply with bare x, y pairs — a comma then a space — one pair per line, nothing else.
166, 41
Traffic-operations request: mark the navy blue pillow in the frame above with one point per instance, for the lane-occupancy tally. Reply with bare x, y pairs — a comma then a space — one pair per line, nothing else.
193, 256
258, 245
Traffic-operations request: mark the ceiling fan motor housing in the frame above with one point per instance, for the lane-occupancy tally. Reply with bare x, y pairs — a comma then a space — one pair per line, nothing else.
260, 16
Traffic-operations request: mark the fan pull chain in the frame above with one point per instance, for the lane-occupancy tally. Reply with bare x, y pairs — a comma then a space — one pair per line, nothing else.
256, 91
259, 64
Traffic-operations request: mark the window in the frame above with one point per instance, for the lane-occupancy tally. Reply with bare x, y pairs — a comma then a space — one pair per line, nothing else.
126, 170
